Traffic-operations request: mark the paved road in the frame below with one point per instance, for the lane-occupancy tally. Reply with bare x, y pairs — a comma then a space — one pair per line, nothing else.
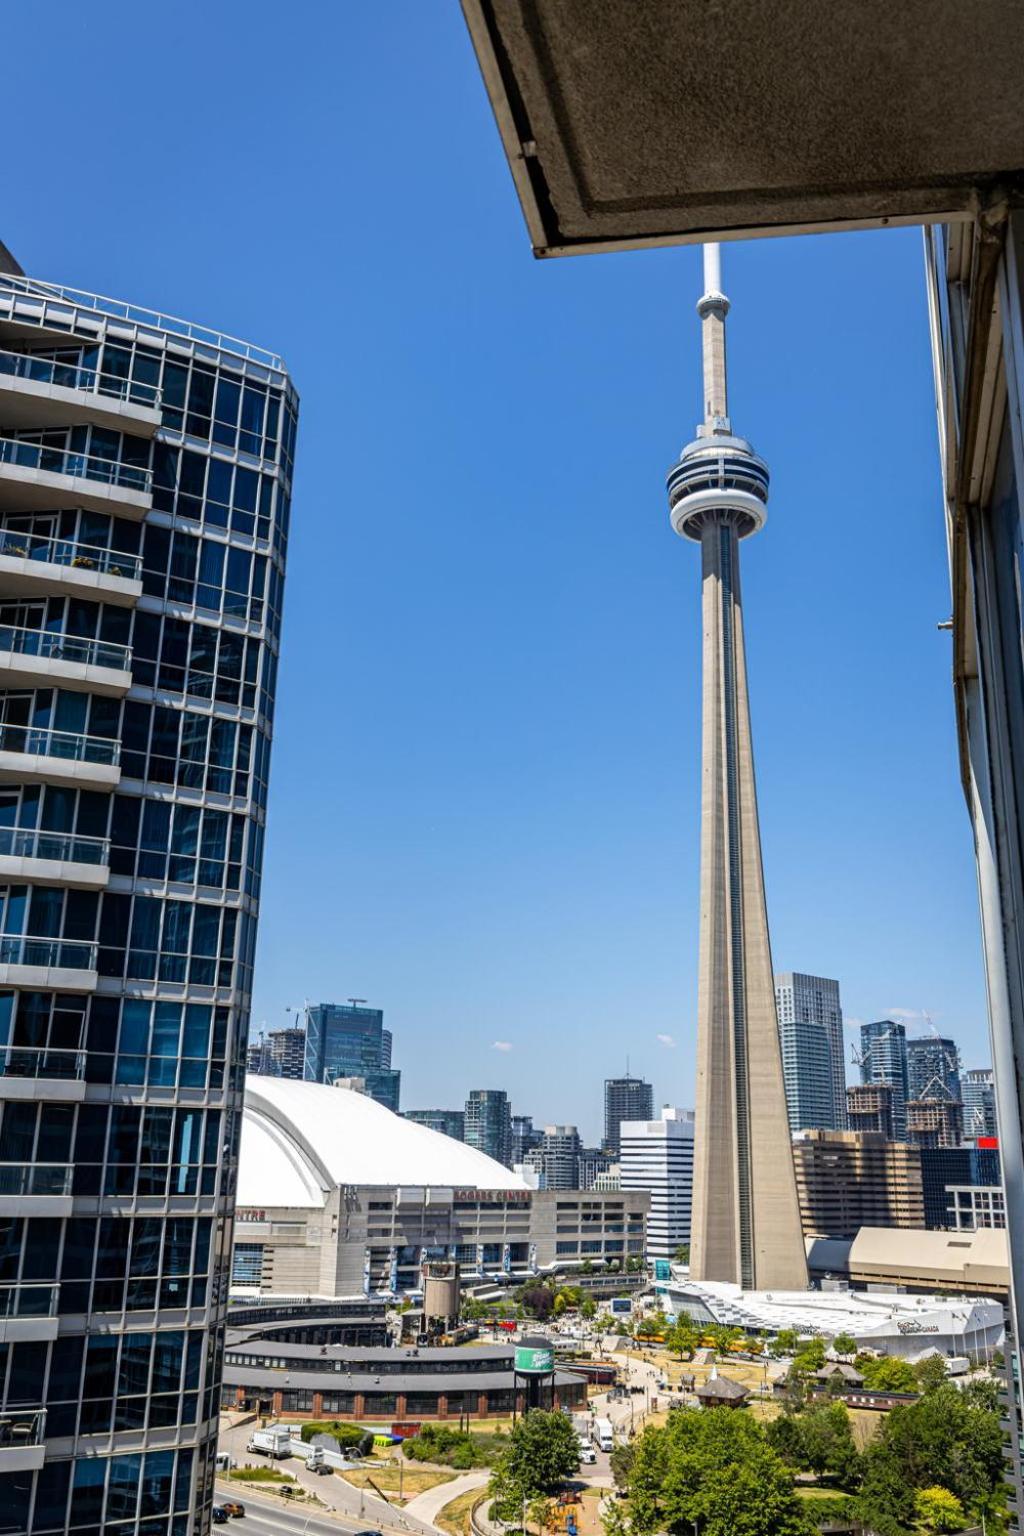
270, 1517
354, 1504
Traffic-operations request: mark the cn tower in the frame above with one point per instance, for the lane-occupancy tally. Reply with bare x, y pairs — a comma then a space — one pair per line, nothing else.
746, 1219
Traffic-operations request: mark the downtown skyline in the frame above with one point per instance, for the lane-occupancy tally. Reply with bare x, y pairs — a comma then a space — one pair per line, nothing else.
483, 804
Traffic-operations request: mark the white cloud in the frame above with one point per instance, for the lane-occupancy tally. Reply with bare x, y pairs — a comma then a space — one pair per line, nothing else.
501, 1045
666, 1040
852, 1023
905, 1013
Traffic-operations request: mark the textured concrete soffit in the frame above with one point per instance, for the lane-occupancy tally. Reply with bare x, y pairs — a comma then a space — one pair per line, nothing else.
669, 118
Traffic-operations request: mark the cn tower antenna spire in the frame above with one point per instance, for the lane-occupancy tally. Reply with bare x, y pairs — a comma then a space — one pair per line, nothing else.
713, 306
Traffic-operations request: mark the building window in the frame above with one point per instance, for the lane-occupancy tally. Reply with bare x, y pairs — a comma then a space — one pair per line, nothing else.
247, 1264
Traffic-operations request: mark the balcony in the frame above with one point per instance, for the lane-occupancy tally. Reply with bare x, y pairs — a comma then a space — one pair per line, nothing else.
41, 392
34, 475
35, 1189
22, 1439
39, 754
28, 1312
47, 658
23, 1068
31, 309
54, 858
68, 965
32, 565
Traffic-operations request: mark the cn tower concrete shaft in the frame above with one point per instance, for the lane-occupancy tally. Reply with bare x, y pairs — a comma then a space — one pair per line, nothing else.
746, 1217
746, 1220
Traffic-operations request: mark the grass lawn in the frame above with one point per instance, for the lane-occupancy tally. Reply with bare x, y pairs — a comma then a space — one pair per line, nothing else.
864, 1422
822, 1493
260, 1475
413, 1479
454, 1517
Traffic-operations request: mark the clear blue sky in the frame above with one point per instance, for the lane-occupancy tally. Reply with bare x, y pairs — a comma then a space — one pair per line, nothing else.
484, 803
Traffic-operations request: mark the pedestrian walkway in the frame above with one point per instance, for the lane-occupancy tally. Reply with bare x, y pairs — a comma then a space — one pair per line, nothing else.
426, 1505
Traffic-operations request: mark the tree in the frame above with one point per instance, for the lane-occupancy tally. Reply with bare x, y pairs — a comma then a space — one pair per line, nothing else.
810, 1357
713, 1471
939, 1510
542, 1451
559, 1304
621, 1463
887, 1374
588, 1308
682, 1337
682, 1254
539, 1511
844, 1344
786, 1341
539, 1300
930, 1373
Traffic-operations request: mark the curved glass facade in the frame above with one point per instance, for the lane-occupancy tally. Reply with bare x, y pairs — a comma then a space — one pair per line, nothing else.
145, 481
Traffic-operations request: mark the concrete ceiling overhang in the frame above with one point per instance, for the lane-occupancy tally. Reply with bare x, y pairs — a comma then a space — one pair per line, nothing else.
648, 122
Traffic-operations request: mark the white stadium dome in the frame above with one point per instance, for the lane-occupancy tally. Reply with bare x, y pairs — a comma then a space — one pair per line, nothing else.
301, 1140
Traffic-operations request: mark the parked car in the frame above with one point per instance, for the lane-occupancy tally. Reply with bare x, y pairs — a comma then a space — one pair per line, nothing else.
219, 1515
234, 1508
322, 1469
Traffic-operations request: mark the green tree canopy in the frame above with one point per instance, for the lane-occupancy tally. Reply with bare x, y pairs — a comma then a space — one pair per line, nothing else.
819, 1440
542, 1451
930, 1373
939, 1510
887, 1374
844, 1344
714, 1471
786, 1341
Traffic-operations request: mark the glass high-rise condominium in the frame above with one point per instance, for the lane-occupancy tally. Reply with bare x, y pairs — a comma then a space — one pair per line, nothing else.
811, 1037
145, 472
625, 1098
349, 1040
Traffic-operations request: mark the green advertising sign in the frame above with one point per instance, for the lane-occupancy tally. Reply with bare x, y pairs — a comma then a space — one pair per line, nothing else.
530, 1360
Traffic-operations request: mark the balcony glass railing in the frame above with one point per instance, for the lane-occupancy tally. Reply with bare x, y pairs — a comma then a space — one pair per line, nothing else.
23, 949
85, 557
35, 1179
57, 295
61, 847
20, 1427
60, 461
42, 1061
43, 741
53, 646
28, 1300
47, 370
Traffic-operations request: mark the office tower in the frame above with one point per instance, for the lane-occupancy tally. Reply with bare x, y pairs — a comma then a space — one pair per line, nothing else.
145, 471
657, 1155
625, 1098
450, 1122
935, 1123
525, 1137
979, 1103
852, 1179
746, 1220
883, 1059
593, 1161
933, 1069
281, 1053
869, 1108
557, 1157
944, 1169
807, 1074
349, 1040
489, 1123
803, 1000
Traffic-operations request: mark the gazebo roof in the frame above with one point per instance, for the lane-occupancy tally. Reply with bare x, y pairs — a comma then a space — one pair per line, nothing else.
723, 1387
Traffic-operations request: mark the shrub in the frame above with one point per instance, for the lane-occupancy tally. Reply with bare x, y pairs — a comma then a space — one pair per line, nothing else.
348, 1436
